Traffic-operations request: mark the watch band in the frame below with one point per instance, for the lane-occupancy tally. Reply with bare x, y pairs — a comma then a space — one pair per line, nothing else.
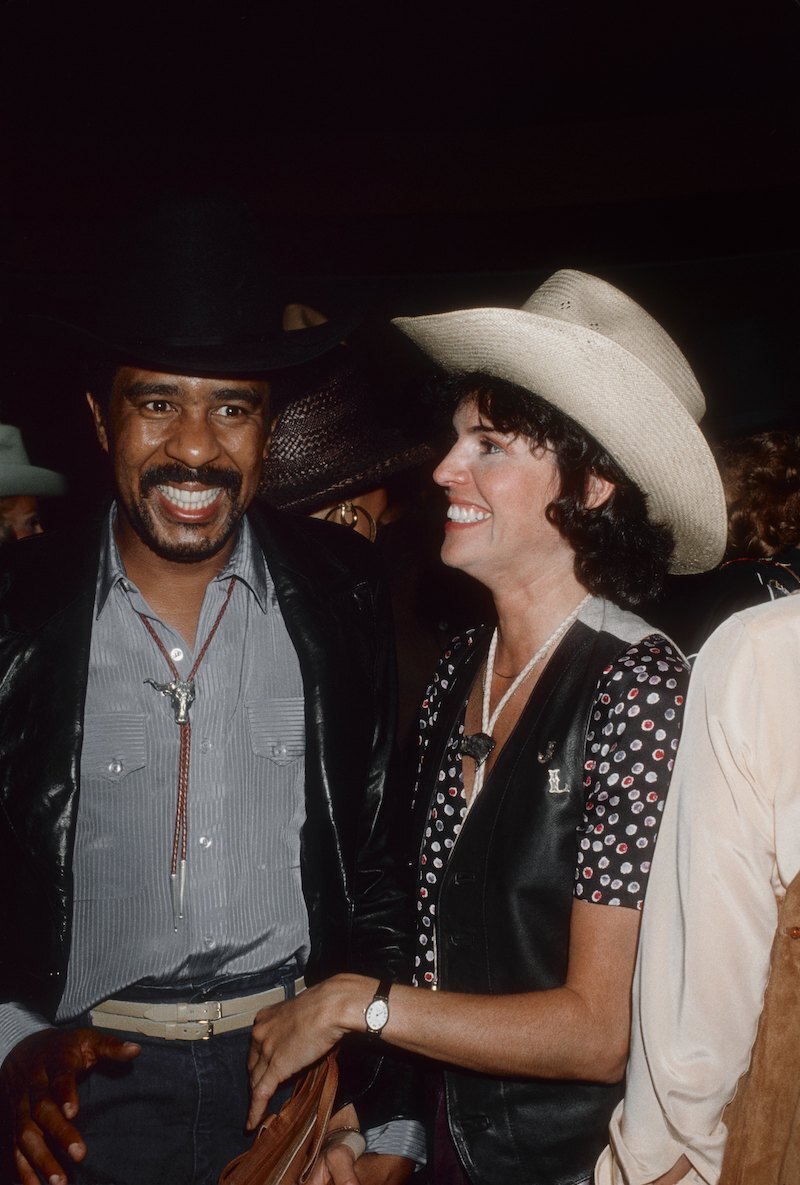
376, 1014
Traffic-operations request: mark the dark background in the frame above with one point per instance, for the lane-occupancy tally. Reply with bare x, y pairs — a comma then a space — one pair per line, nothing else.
424, 158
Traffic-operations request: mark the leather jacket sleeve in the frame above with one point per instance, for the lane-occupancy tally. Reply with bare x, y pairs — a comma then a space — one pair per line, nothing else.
354, 845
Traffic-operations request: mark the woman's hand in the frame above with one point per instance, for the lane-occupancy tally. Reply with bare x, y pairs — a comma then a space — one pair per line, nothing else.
338, 1166
289, 1036
676, 1173
333, 1168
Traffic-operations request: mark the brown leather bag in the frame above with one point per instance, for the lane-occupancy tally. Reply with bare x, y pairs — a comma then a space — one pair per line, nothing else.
287, 1144
763, 1118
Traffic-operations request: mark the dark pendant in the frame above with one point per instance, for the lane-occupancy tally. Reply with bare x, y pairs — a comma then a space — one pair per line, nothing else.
180, 694
478, 746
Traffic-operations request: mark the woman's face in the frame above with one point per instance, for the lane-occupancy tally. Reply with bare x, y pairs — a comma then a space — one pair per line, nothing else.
498, 492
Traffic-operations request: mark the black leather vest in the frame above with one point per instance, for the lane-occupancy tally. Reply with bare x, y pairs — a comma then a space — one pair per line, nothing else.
504, 913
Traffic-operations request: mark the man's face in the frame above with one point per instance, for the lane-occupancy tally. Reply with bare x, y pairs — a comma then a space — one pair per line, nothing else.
187, 455
21, 514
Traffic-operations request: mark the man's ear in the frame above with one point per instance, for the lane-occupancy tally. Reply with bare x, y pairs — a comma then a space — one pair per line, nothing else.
99, 421
598, 490
273, 423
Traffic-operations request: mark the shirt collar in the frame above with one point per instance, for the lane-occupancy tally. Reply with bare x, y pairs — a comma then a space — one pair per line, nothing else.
246, 563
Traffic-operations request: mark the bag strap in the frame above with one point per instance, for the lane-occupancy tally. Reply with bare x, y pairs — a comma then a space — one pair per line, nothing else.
329, 1070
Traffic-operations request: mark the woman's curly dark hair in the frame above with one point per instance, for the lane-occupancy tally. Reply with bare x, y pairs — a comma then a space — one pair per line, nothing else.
619, 553
761, 476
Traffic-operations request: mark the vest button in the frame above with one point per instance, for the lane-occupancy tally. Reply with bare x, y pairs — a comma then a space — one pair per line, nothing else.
794, 932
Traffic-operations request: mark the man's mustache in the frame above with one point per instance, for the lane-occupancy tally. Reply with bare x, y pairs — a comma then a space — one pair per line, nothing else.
206, 475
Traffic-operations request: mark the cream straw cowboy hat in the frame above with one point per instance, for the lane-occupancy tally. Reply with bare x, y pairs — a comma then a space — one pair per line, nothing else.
593, 353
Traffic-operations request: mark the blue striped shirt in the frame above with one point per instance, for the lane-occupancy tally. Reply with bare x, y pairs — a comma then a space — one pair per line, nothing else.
244, 907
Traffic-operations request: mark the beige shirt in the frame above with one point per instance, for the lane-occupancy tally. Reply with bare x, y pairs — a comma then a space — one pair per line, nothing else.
729, 846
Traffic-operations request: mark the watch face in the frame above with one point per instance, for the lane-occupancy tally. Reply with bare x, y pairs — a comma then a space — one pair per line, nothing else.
377, 1015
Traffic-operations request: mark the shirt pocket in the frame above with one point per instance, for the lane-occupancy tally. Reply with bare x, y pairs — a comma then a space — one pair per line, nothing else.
114, 746
115, 816
277, 729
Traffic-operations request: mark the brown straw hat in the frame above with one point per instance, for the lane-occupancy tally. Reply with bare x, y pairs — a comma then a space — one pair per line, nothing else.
597, 356
335, 441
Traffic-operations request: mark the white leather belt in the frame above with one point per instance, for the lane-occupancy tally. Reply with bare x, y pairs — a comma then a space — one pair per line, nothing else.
187, 1022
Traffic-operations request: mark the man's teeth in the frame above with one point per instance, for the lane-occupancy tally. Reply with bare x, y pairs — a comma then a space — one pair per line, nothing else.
466, 514
190, 499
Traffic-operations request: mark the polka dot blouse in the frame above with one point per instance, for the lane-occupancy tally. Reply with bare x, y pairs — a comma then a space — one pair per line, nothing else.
628, 757
630, 750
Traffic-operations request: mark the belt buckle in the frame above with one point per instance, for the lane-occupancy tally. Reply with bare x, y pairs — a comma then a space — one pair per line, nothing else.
190, 1030
209, 1023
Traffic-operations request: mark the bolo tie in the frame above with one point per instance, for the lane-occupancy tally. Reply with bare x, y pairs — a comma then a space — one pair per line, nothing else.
478, 745
181, 695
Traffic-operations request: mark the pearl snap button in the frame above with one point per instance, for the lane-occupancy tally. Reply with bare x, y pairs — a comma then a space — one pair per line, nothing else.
115, 765
204, 841
176, 654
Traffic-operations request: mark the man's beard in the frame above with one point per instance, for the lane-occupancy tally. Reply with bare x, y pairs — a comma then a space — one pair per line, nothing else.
188, 552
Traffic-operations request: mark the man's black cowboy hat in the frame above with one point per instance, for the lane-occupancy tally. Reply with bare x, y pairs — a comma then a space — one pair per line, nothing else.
188, 288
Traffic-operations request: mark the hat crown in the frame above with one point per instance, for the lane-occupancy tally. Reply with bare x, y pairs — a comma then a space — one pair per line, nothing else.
336, 440
580, 299
193, 270
12, 450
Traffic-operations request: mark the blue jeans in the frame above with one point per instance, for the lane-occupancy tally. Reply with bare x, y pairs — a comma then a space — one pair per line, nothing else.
173, 1116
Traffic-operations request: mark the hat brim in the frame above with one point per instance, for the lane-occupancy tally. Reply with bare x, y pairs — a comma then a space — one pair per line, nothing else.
612, 395
273, 351
28, 480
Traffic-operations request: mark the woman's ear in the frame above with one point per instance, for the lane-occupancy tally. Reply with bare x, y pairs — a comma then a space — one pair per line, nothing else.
598, 490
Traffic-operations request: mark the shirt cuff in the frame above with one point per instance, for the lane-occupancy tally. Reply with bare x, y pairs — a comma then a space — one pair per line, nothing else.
398, 1137
17, 1023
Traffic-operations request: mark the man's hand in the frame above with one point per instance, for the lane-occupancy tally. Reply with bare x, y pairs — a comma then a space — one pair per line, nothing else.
40, 1097
290, 1036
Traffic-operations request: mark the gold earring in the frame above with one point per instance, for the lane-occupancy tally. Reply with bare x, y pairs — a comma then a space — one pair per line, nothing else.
347, 514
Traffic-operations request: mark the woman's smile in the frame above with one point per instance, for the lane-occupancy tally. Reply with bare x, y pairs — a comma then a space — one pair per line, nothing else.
466, 514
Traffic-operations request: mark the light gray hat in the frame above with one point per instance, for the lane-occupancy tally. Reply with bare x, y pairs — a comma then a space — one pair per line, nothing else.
17, 475
597, 356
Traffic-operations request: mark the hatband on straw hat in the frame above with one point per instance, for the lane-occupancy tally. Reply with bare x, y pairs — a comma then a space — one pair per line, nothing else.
597, 356
17, 476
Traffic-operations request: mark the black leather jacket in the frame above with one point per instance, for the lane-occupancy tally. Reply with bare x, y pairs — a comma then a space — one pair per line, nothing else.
335, 610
